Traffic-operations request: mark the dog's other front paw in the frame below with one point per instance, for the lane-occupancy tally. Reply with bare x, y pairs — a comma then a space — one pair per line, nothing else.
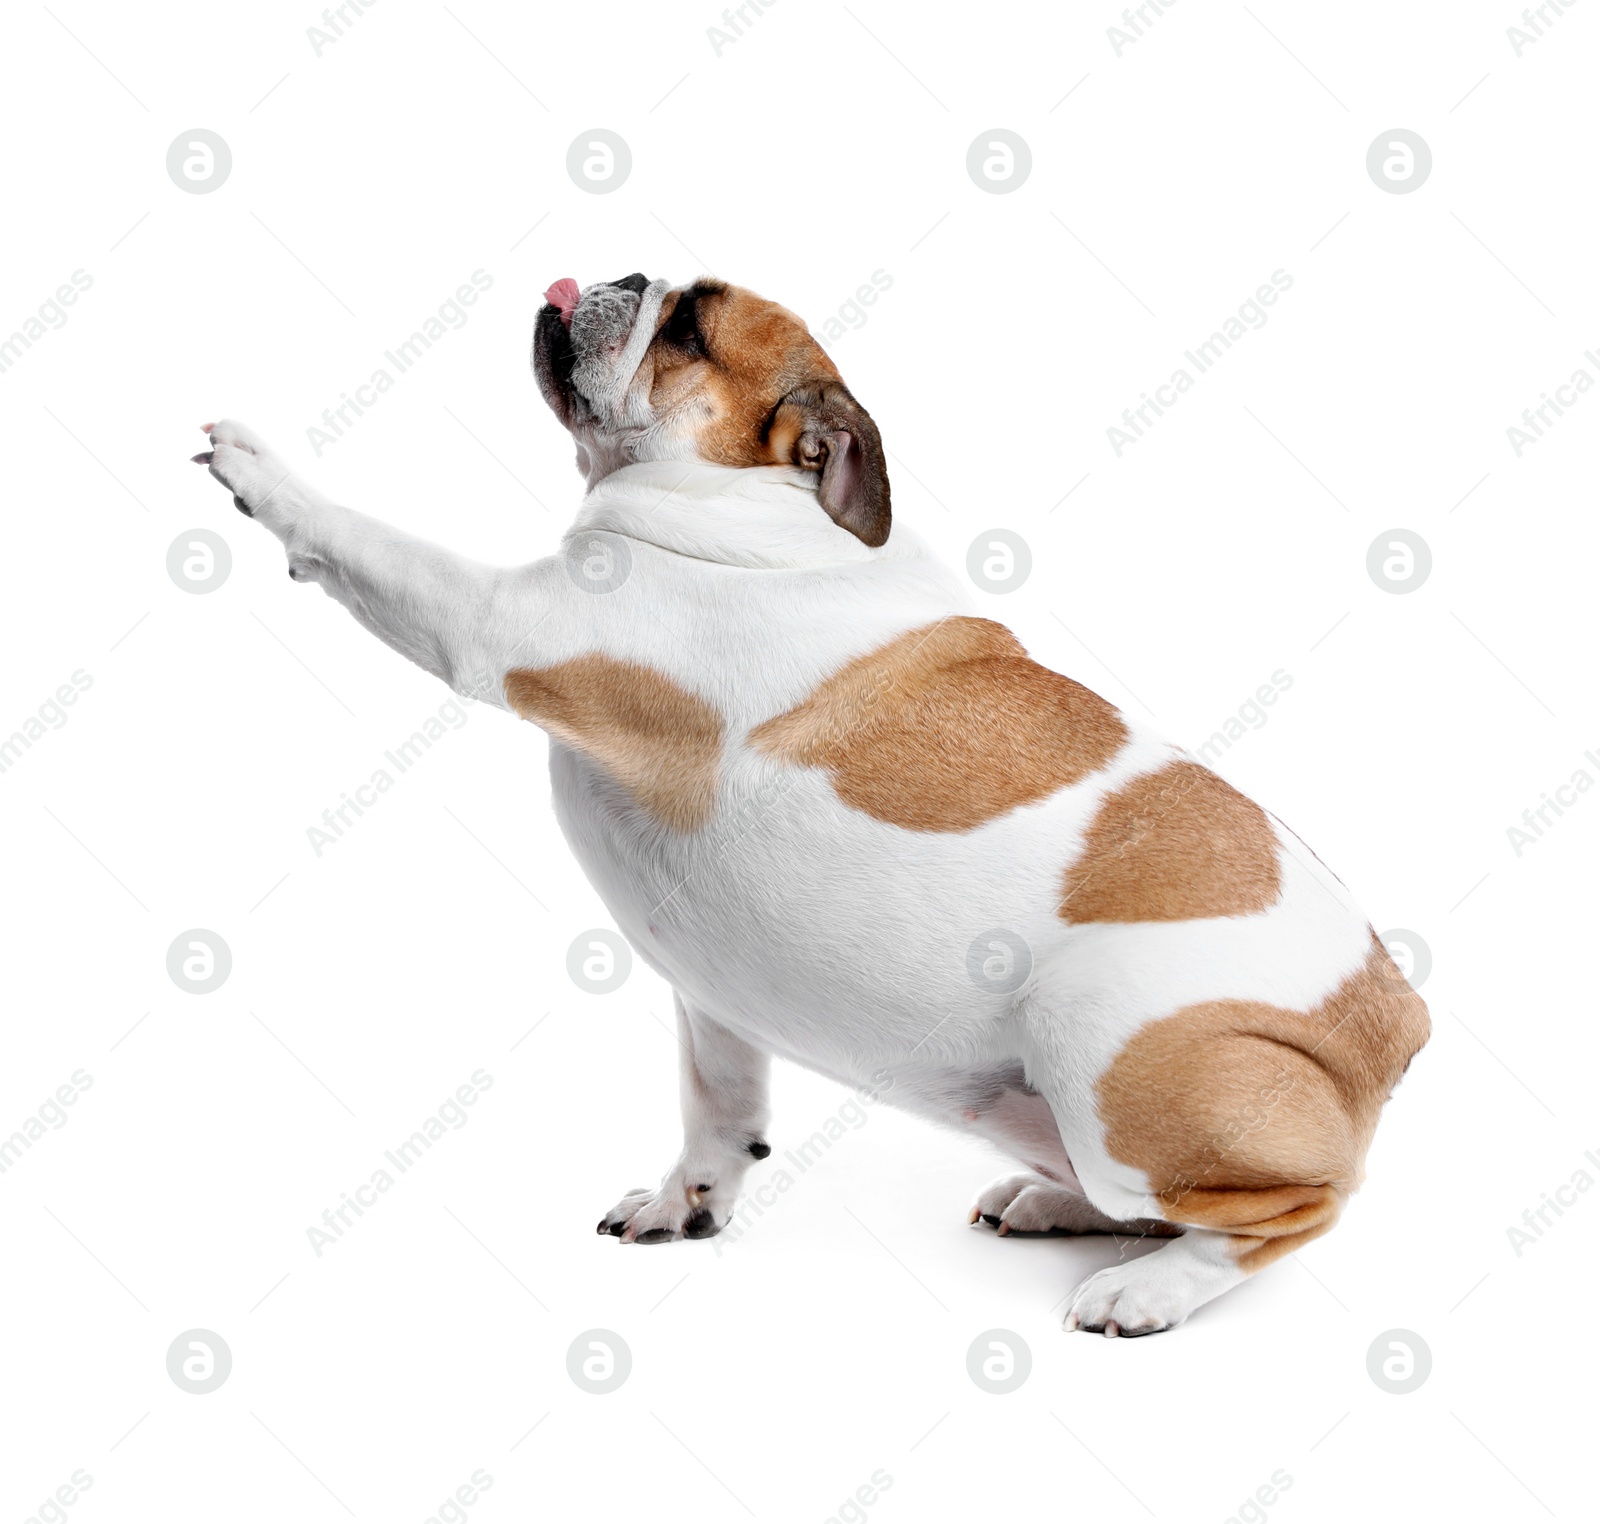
680, 1208
262, 486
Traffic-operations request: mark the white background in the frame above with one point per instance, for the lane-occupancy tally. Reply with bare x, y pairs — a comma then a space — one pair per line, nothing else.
772, 1378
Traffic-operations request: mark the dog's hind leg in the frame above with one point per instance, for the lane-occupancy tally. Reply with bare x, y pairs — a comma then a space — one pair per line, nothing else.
1048, 1198
1245, 1122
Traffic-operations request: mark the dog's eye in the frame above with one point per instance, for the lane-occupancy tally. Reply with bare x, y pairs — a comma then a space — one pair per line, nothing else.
682, 330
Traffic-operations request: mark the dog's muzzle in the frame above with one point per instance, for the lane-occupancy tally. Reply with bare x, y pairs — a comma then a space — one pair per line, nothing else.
587, 346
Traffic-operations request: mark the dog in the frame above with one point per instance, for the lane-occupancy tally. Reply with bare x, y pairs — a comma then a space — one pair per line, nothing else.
854, 825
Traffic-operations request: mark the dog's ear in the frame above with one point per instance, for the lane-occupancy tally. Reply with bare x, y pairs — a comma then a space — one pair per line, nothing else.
821, 427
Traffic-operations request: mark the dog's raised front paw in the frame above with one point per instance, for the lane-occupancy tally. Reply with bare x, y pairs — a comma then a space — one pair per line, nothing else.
1031, 1203
262, 486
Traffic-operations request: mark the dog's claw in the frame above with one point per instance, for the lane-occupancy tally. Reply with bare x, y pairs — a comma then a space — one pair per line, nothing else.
202, 459
206, 428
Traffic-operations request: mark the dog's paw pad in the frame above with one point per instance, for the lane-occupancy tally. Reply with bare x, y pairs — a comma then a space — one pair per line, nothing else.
701, 1224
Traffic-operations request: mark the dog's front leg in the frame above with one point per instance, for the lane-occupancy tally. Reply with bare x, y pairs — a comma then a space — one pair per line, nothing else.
723, 1090
463, 622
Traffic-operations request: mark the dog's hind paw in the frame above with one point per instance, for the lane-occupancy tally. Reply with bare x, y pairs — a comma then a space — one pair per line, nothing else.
1155, 1291
1031, 1203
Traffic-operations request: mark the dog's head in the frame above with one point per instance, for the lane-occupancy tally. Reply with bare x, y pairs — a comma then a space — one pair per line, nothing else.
639, 371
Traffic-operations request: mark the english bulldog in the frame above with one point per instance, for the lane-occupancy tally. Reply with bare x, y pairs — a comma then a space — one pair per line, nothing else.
854, 824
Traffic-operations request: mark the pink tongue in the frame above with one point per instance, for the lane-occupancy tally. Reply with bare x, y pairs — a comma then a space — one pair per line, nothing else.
563, 296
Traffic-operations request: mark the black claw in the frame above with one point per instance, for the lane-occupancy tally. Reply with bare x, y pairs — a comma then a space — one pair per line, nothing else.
701, 1225
760, 1150
600, 1227
292, 576
243, 507
994, 1222
655, 1236
615, 1229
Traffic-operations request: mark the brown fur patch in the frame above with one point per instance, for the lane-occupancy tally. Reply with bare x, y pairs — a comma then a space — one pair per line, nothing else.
659, 741
1253, 1119
754, 353
1178, 844
946, 727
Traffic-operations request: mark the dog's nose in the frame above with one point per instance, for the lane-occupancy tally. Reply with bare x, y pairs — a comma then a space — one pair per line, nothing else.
634, 283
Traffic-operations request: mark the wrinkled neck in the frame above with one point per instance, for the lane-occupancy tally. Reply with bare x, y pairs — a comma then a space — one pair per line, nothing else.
758, 516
